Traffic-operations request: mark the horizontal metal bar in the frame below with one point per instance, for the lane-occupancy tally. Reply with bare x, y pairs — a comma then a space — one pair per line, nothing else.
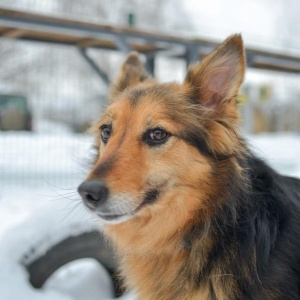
122, 37
24, 20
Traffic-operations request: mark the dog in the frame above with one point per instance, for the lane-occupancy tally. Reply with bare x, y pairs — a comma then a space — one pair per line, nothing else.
193, 214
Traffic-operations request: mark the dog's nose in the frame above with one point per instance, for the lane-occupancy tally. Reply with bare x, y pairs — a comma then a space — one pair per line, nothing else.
93, 192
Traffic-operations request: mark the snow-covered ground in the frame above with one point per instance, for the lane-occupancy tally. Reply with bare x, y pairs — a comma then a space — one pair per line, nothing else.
39, 207
43, 208
281, 151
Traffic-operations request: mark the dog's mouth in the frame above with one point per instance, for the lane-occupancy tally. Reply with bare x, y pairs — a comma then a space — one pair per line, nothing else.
114, 218
126, 209
110, 217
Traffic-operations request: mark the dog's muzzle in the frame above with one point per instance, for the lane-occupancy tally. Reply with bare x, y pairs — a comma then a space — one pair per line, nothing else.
108, 206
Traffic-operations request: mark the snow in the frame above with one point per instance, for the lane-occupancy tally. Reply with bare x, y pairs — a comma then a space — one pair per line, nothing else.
32, 237
83, 272
281, 151
48, 157
36, 218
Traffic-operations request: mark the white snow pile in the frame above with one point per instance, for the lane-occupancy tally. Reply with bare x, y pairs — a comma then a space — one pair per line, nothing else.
31, 239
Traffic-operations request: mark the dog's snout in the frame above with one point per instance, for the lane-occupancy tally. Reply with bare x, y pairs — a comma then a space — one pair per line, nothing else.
93, 192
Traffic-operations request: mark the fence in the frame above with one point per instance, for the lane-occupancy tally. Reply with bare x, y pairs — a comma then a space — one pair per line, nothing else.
56, 94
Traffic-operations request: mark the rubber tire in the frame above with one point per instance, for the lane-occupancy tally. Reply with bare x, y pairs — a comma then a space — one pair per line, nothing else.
86, 245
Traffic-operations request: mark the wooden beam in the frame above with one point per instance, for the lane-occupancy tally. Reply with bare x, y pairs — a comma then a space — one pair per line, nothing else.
13, 33
41, 28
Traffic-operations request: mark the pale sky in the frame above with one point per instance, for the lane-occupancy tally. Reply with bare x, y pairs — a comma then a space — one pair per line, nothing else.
267, 23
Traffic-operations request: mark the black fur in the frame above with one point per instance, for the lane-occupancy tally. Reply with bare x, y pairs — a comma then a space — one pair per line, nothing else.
150, 197
256, 234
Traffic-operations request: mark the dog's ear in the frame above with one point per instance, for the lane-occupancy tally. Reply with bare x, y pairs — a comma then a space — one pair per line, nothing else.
131, 73
217, 78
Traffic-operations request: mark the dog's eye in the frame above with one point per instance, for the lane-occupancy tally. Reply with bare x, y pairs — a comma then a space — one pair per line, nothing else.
105, 133
156, 136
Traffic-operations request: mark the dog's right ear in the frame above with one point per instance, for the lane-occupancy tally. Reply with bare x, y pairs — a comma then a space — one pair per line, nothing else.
215, 81
130, 74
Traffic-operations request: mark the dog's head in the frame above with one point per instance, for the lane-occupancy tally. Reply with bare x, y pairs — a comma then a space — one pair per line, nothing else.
160, 145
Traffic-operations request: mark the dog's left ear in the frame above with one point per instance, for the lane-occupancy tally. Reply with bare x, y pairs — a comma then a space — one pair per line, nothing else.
216, 80
130, 74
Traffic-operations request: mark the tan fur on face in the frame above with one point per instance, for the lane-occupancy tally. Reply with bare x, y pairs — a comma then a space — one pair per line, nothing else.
147, 167
151, 244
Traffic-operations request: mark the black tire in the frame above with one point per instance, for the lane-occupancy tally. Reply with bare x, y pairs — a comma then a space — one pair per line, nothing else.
85, 245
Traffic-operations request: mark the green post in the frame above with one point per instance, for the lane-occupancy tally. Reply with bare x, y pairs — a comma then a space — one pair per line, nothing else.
131, 19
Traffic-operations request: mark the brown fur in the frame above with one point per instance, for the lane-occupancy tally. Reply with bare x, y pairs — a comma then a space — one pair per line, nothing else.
155, 255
